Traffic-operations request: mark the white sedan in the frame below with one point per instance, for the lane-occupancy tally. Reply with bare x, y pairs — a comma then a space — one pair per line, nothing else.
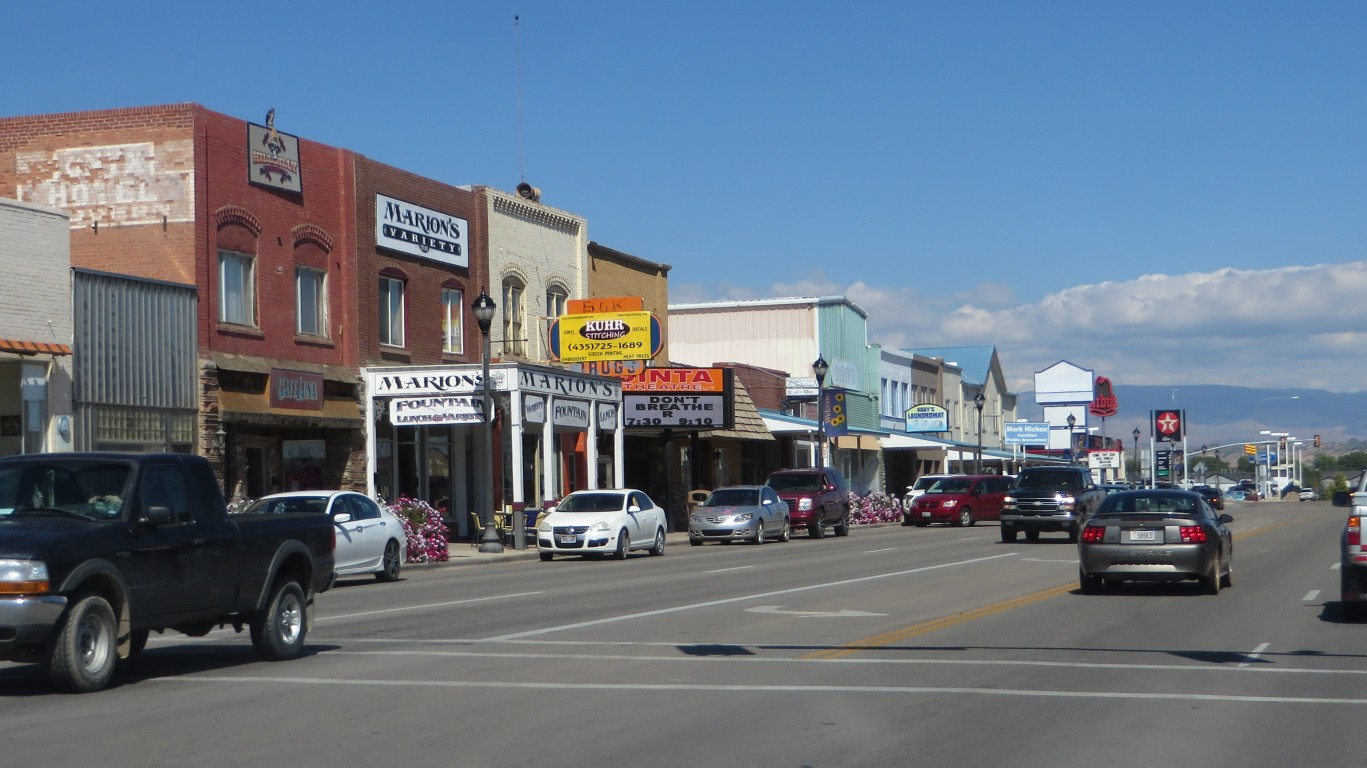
370, 539
602, 522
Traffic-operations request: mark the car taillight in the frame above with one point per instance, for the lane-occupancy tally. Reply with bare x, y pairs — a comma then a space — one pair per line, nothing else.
333, 530
1354, 531
1092, 534
1192, 534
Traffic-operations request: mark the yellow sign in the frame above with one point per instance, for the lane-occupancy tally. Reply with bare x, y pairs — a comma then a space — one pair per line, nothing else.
1251, 450
603, 336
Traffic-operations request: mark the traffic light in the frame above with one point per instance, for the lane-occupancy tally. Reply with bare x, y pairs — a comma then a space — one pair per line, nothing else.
1317, 441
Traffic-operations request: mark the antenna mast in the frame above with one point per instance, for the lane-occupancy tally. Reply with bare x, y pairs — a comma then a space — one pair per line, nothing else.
517, 54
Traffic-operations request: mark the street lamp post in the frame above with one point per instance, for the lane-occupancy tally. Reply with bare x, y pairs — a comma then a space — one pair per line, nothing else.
1137, 468
484, 308
1072, 440
819, 369
978, 402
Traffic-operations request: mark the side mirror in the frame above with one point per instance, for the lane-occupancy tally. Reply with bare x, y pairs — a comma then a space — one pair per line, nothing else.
158, 516
1342, 499
634, 508
1226, 518
341, 517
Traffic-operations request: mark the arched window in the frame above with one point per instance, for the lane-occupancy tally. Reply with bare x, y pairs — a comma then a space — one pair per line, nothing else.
514, 317
556, 297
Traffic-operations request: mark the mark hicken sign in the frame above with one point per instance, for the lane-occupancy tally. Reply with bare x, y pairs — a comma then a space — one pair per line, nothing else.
421, 232
296, 389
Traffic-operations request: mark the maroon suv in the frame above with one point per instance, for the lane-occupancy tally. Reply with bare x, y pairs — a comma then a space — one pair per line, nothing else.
817, 497
960, 500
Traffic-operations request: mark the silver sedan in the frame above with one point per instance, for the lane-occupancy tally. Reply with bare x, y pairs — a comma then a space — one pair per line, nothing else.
1156, 535
751, 513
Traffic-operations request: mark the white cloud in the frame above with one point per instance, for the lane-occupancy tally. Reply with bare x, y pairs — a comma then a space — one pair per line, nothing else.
1302, 326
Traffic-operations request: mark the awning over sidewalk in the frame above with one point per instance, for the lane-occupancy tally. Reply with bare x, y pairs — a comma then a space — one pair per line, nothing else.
33, 347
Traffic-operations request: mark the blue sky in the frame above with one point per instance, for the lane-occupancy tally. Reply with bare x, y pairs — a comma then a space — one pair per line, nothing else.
1165, 192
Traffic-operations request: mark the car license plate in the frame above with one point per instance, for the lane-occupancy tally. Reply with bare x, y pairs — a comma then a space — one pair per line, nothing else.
926, 513
1143, 536
568, 539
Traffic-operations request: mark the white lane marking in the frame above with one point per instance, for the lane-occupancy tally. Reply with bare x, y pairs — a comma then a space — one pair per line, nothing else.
422, 607
738, 659
1253, 656
840, 689
1311, 595
724, 570
778, 609
1335, 566
1042, 560
884, 549
742, 598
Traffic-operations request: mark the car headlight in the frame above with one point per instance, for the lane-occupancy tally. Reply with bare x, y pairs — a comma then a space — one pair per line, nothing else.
743, 517
695, 518
804, 505
544, 526
949, 502
23, 577
601, 525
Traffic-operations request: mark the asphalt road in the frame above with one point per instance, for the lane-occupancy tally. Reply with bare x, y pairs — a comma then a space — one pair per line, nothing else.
891, 647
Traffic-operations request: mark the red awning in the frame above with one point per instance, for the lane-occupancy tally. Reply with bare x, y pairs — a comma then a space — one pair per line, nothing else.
33, 347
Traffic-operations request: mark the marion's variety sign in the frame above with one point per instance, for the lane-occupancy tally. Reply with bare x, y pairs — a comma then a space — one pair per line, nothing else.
421, 232
695, 398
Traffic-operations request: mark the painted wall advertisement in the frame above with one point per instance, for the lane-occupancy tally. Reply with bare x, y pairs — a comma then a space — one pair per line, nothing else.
690, 398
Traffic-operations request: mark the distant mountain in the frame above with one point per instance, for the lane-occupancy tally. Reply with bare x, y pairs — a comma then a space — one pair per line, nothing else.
1217, 414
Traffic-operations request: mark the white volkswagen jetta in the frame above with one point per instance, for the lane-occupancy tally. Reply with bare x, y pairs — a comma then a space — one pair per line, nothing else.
600, 522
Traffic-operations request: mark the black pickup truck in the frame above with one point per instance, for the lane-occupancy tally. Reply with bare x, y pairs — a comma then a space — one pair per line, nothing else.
98, 550
1049, 498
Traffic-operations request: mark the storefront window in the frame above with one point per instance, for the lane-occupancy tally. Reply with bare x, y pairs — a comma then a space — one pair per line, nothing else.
303, 460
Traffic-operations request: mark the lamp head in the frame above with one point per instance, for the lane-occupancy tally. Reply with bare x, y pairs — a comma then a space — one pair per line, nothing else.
1071, 420
819, 369
978, 401
1135, 433
484, 308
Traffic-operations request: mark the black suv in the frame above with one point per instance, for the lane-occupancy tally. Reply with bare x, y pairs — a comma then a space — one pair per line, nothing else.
1213, 497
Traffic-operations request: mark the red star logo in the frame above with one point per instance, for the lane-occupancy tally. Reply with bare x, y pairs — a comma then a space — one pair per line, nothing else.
1168, 422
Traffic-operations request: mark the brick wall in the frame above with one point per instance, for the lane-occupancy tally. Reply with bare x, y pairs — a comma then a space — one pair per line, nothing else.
424, 278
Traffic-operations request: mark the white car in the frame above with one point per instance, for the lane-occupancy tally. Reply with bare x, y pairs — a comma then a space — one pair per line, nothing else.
370, 539
602, 522
921, 485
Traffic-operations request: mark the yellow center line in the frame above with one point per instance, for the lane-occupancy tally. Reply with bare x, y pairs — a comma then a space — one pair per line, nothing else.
925, 627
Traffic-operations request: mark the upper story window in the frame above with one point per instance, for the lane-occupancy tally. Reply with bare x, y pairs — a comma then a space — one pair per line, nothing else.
556, 297
391, 311
514, 317
236, 288
452, 320
310, 301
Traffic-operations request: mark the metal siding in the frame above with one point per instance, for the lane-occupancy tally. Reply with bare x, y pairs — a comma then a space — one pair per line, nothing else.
135, 342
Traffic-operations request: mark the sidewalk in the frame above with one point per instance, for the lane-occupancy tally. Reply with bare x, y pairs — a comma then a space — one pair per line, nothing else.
465, 553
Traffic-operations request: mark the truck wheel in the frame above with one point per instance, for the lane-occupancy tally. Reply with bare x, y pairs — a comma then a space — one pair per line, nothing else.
392, 562
842, 528
1008, 534
1072, 534
815, 530
278, 632
83, 654
1032, 535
